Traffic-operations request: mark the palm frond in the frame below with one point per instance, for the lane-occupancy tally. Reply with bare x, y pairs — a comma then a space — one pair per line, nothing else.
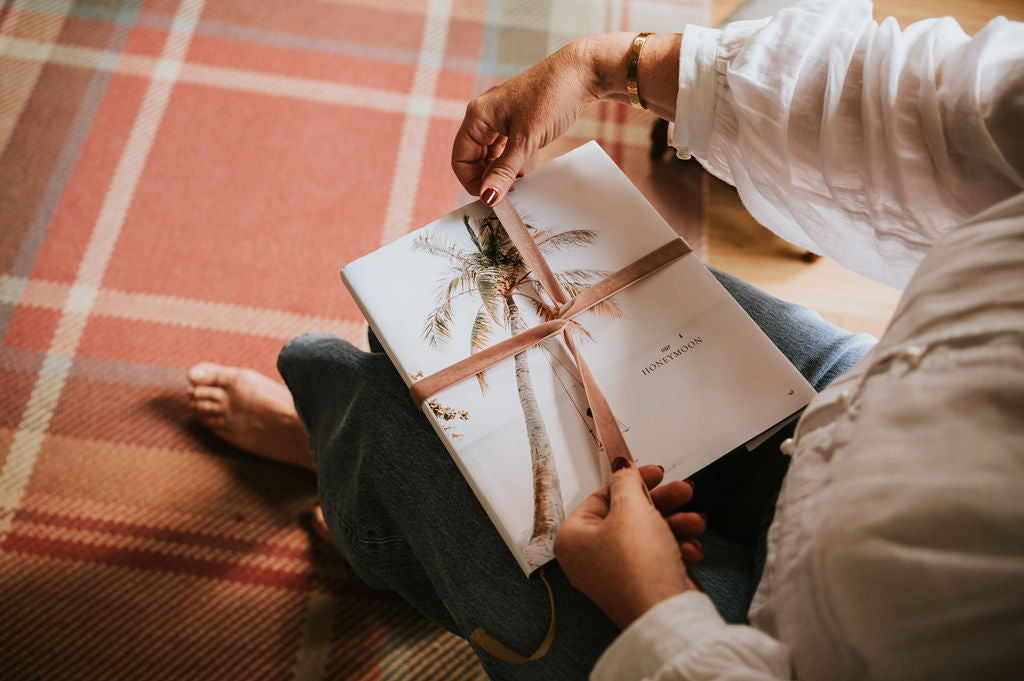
509, 309
577, 281
508, 255
505, 254
463, 282
540, 233
513, 280
479, 338
544, 311
490, 239
472, 234
572, 238
482, 334
491, 297
497, 275
432, 244
578, 330
608, 308
438, 327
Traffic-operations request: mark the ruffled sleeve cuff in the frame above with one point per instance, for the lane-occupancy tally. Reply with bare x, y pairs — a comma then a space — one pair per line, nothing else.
659, 635
695, 102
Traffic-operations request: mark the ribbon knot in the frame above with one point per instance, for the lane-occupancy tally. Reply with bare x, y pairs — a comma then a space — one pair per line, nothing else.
607, 427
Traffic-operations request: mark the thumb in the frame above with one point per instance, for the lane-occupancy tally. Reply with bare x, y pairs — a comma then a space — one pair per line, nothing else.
626, 486
502, 173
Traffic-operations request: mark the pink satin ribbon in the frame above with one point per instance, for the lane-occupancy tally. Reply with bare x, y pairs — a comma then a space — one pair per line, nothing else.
608, 431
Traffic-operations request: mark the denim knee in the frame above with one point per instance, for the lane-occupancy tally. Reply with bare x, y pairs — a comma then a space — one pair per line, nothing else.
301, 349
841, 357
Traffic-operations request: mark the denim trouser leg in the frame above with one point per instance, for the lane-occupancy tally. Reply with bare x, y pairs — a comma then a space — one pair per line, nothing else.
406, 519
821, 351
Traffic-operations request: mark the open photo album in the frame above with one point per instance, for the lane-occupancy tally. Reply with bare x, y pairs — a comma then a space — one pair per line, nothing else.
687, 373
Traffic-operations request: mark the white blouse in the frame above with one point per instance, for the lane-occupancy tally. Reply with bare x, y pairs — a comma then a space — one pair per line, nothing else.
897, 549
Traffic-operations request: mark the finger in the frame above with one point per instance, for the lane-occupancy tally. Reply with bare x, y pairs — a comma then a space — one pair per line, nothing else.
469, 152
652, 475
503, 171
594, 506
686, 525
672, 495
626, 486
496, 149
692, 551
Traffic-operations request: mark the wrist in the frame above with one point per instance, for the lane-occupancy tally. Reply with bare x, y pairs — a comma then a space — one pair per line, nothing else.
650, 594
606, 57
606, 63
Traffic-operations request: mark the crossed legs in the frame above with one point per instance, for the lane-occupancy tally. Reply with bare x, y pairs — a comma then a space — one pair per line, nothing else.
405, 518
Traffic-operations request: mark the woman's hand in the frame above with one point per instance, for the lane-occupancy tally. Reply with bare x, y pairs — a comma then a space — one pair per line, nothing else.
625, 554
504, 126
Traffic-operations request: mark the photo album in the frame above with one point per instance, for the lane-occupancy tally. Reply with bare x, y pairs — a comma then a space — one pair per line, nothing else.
688, 375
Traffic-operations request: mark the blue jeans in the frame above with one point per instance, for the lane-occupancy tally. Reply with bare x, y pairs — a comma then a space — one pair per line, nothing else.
407, 521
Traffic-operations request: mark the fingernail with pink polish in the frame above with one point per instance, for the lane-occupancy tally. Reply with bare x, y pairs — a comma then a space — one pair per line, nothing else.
619, 463
489, 196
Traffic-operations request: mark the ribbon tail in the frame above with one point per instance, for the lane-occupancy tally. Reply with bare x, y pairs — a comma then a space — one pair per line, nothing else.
491, 645
607, 427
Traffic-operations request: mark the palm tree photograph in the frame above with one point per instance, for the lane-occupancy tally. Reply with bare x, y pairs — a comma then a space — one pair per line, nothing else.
489, 269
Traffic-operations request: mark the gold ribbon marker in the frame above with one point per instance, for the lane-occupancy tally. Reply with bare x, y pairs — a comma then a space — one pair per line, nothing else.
505, 654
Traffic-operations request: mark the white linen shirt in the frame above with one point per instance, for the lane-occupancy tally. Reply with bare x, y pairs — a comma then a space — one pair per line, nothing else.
897, 548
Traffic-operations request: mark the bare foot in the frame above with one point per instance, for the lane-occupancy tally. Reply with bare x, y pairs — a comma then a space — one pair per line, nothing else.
249, 410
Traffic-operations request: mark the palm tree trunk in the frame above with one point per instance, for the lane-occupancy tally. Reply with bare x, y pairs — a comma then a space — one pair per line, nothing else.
547, 493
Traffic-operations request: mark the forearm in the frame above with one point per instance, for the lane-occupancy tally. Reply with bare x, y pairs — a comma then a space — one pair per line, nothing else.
504, 126
657, 73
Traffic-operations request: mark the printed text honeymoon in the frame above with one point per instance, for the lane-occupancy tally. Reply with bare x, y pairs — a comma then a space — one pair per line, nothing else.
671, 355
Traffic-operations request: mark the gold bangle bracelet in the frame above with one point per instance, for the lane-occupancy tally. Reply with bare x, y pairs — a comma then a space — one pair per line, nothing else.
634, 62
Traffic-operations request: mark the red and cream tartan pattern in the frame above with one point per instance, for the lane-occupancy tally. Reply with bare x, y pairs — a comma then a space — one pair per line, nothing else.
180, 181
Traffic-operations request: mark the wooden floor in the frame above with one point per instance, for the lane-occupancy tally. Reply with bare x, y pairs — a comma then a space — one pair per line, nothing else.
741, 246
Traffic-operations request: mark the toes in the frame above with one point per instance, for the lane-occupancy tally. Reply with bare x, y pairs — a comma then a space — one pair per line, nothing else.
208, 373
208, 393
208, 408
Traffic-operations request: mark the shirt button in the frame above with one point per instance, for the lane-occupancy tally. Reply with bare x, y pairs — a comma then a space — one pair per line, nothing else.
787, 446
